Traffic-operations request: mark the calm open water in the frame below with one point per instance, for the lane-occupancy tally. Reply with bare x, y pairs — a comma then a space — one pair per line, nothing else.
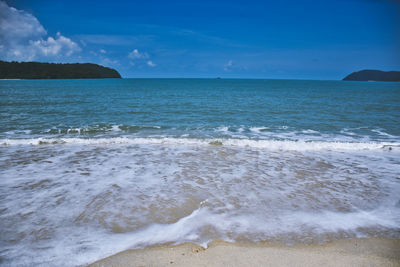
89, 168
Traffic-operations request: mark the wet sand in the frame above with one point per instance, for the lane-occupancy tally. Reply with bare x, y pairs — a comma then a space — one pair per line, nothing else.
353, 252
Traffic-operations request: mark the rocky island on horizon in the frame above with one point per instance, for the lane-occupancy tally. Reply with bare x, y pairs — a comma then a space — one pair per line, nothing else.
374, 75
38, 70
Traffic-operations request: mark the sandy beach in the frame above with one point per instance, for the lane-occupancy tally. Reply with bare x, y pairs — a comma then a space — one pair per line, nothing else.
354, 252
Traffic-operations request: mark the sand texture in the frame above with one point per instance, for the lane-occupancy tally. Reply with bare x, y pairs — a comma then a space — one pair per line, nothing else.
354, 252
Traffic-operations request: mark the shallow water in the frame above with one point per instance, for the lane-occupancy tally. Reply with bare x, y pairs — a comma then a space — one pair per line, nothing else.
92, 167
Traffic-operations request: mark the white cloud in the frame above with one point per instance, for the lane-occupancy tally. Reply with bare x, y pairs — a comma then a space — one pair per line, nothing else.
109, 62
17, 25
228, 65
140, 56
102, 51
54, 47
135, 54
151, 64
24, 38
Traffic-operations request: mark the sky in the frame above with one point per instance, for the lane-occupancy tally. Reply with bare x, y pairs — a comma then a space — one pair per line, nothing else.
287, 39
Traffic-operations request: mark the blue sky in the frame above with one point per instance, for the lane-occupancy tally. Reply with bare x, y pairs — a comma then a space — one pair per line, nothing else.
238, 39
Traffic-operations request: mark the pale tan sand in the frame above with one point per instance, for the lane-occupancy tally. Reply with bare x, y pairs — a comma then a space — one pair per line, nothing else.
355, 252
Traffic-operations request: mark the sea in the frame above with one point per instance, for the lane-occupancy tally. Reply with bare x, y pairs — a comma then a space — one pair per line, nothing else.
92, 167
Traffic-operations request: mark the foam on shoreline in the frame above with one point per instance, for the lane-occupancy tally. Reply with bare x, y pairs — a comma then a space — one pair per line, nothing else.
265, 144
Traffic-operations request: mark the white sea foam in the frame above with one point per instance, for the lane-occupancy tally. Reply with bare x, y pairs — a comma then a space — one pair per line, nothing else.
79, 200
309, 131
382, 133
188, 229
258, 129
94, 129
115, 128
265, 144
223, 129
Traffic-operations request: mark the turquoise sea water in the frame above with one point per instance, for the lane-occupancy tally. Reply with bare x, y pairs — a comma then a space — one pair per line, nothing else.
199, 108
92, 167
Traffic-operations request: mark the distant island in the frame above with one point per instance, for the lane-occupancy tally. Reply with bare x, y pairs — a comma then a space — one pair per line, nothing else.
37, 70
374, 75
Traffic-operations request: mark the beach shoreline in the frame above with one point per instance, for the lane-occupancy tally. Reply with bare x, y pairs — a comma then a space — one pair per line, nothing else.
350, 252
150, 163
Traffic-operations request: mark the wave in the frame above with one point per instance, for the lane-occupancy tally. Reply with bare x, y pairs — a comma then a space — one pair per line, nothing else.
360, 134
100, 128
274, 137
189, 228
193, 227
88, 245
228, 142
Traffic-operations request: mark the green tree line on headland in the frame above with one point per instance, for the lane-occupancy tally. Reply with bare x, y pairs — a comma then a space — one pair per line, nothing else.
37, 70
374, 75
